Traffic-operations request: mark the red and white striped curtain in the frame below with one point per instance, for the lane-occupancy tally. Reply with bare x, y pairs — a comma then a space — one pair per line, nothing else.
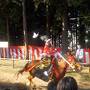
87, 56
18, 52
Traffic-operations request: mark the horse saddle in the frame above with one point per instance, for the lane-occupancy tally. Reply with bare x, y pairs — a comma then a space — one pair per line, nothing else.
39, 70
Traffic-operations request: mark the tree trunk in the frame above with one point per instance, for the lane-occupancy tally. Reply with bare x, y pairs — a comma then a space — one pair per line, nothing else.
65, 36
7, 28
25, 30
65, 28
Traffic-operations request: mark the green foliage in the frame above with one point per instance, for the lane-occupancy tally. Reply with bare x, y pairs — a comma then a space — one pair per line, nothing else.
57, 10
11, 9
74, 3
2, 26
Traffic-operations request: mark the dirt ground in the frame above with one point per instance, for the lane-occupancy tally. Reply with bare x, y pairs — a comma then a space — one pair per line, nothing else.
9, 81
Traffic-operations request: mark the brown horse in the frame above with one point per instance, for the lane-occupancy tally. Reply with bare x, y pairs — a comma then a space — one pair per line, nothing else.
57, 72
37, 68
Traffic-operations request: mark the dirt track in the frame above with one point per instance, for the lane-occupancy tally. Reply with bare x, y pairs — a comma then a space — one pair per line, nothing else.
8, 78
9, 81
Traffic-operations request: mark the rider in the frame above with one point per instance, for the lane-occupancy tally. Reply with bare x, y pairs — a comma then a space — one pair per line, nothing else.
50, 51
47, 52
47, 49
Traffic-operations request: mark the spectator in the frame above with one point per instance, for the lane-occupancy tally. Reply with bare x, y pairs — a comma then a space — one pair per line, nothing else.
52, 85
67, 83
79, 54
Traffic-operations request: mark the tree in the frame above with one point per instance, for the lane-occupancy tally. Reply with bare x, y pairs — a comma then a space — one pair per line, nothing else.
61, 10
11, 13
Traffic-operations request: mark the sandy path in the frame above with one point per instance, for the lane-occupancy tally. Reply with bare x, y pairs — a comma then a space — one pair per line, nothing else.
9, 80
8, 76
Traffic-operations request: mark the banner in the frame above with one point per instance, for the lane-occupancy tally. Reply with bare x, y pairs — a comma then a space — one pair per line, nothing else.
34, 52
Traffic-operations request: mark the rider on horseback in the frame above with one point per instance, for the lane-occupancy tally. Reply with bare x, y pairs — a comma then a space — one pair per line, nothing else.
49, 52
47, 49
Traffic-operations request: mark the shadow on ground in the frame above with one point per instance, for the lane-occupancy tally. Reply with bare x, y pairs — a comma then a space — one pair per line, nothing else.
84, 89
11, 86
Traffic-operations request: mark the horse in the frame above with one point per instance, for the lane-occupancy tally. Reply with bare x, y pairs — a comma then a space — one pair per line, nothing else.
57, 68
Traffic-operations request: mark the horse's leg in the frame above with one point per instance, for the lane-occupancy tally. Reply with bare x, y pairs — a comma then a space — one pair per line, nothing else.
31, 76
30, 83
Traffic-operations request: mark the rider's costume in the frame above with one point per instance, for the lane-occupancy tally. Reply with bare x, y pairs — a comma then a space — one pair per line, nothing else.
47, 49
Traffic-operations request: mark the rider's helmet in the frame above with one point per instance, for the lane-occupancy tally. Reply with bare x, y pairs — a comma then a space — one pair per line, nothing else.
48, 43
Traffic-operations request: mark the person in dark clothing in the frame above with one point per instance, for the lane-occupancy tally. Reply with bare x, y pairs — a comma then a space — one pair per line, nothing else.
67, 83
